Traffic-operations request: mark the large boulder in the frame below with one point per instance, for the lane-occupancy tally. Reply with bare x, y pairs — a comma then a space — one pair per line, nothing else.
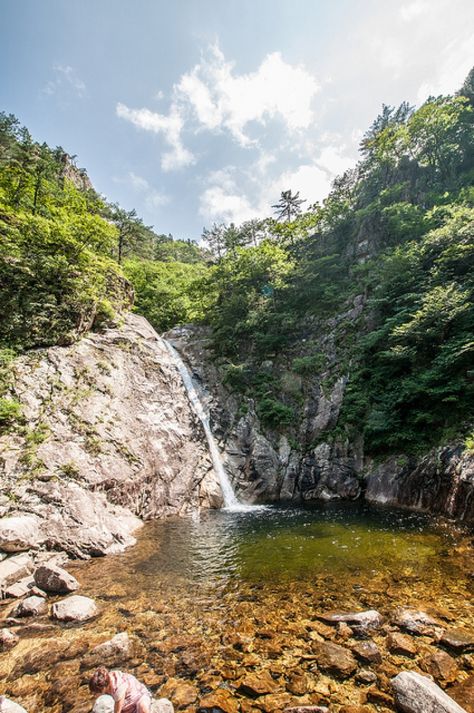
418, 694
75, 608
8, 706
19, 533
417, 622
55, 579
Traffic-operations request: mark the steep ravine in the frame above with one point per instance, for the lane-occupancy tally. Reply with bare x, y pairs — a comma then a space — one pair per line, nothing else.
267, 465
108, 439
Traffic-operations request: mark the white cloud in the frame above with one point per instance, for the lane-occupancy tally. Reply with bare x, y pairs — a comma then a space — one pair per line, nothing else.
457, 61
170, 126
222, 99
410, 11
332, 160
152, 197
65, 77
219, 204
213, 97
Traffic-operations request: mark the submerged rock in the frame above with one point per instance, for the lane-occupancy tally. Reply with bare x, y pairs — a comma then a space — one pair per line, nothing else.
460, 640
359, 621
110, 653
258, 684
219, 700
57, 580
416, 622
75, 608
334, 659
401, 644
441, 666
415, 693
463, 693
367, 651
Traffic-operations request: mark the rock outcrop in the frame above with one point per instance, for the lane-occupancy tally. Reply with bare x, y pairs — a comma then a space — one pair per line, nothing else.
108, 438
314, 464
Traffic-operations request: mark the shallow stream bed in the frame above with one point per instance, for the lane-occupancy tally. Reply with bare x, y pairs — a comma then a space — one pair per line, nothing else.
218, 605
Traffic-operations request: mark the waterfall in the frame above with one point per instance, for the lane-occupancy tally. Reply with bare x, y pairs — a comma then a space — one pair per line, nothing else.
230, 499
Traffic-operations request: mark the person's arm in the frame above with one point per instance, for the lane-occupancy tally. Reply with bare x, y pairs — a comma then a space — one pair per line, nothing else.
119, 704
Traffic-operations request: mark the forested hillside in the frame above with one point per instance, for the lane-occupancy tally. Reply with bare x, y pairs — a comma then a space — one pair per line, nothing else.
395, 238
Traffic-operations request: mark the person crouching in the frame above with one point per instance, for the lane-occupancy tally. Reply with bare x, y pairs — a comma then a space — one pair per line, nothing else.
129, 695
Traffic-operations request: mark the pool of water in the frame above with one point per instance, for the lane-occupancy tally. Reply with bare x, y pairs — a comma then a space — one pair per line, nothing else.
277, 543
210, 599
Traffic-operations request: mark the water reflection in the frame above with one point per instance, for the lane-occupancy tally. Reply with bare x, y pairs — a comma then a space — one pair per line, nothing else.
280, 543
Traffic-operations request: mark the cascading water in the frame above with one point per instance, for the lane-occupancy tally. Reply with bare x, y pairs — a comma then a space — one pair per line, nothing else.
230, 499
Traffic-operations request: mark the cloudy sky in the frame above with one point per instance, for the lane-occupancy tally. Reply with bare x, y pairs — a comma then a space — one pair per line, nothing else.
194, 111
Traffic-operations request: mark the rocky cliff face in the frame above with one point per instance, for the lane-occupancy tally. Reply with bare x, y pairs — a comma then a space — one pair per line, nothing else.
108, 439
268, 466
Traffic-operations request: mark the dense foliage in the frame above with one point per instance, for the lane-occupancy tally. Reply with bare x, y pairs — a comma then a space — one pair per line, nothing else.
395, 236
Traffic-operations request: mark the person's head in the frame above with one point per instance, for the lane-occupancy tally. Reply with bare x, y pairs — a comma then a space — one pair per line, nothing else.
99, 682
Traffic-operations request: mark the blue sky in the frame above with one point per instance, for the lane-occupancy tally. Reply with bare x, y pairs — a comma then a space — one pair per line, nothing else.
196, 111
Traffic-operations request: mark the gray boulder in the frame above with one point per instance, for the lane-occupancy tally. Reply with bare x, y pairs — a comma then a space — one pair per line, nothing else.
8, 706
110, 653
19, 533
75, 608
418, 694
31, 606
52, 578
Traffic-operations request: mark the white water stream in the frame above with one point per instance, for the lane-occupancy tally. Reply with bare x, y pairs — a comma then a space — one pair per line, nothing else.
230, 498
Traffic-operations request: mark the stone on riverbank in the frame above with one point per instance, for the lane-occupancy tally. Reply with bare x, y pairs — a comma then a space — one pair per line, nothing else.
31, 606
415, 693
257, 684
75, 608
221, 700
19, 533
14, 568
54, 579
8, 639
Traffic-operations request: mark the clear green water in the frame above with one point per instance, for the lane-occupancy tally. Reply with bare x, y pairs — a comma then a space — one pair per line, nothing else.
281, 543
